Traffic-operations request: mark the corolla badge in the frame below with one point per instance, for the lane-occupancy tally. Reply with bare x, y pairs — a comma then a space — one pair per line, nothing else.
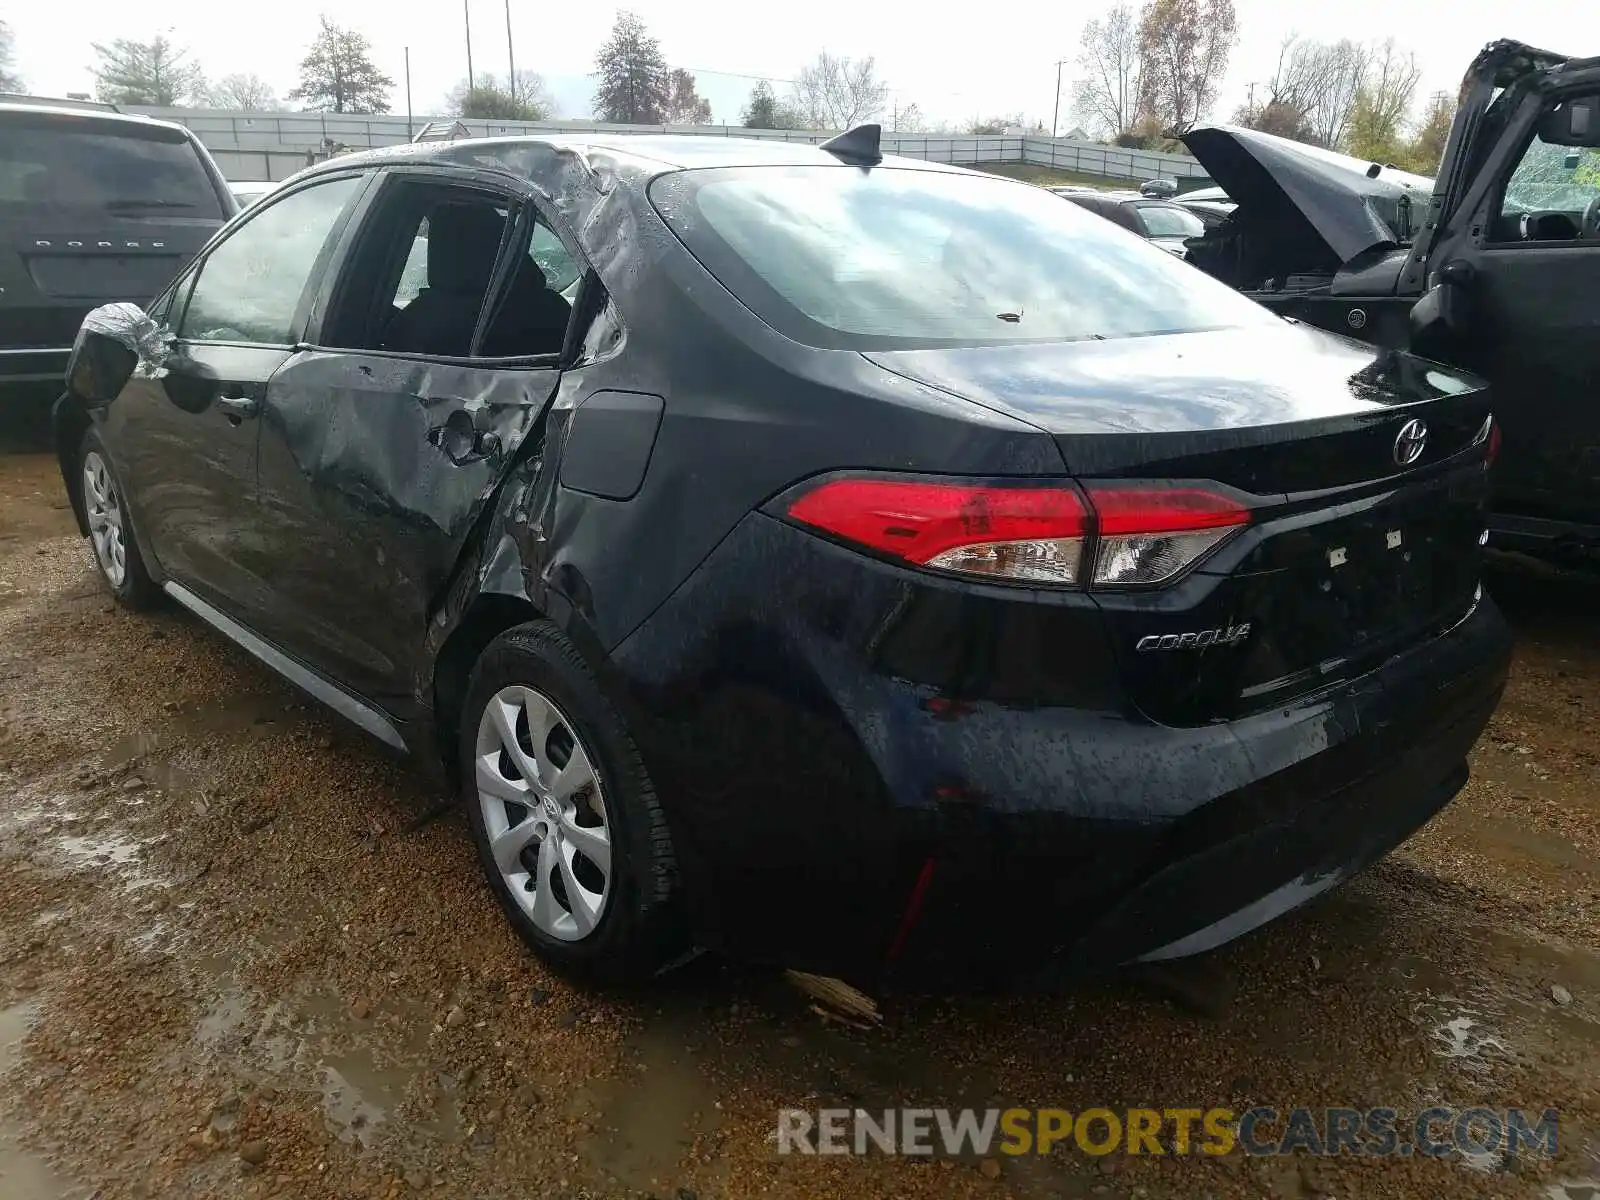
1228, 635
1410, 442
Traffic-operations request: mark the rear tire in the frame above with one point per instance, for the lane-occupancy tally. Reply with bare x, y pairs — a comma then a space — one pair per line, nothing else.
566, 822
111, 539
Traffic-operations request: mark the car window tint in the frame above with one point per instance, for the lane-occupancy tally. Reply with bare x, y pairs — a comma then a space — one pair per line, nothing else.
250, 285
1163, 221
51, 163
835, 256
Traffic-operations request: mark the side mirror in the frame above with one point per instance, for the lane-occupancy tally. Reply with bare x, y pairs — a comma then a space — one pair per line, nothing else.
1442, 313
112, 343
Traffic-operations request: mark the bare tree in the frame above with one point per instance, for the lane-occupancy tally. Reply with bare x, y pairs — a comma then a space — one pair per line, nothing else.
1183, 54
836, 92
907, 118
241, 92
10, 81
1378, 116
1106, 98
1342, 67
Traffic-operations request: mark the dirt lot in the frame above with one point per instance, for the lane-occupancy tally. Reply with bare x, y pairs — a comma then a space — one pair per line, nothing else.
233, 964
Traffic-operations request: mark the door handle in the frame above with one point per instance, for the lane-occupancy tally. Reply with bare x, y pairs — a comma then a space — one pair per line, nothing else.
236, 405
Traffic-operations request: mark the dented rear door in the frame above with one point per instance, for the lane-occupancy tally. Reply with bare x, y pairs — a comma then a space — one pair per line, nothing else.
373, 471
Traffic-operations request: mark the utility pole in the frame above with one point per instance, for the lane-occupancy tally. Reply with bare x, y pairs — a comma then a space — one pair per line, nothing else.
511, 58
1055, 113
466, 13
409, 130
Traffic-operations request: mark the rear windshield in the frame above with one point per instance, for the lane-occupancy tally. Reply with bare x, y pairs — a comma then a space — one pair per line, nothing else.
59, 164
903, 258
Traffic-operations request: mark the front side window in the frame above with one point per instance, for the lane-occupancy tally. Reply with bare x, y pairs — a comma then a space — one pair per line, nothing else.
1553, 179
250, 286
904, 258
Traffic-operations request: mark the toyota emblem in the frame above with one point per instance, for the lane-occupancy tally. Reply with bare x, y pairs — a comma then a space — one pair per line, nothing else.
1410, 442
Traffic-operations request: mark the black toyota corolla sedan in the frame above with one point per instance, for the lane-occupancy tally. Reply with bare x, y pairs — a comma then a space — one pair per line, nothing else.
857, 563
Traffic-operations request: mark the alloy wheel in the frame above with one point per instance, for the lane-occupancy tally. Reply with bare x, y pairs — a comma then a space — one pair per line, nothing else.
543, 812
103, 508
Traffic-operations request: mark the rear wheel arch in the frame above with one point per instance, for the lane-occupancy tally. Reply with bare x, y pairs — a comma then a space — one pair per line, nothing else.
69, 421
488, 616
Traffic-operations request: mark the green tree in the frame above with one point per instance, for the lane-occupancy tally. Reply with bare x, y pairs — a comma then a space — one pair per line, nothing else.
685, 106
154, 72
10, 81
762, 111
1427, 144
633, 87
493, 99
338, 74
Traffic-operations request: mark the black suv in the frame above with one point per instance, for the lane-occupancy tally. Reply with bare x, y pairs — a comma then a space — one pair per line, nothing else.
845, 560
95, 207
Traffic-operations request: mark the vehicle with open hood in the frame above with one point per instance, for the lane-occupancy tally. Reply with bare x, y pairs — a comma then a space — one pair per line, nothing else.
1496, 268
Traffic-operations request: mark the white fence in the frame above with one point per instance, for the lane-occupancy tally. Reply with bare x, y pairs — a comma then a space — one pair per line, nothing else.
273, 146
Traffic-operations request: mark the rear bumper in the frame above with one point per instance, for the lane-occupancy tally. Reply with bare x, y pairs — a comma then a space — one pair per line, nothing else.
871, 773
32, 365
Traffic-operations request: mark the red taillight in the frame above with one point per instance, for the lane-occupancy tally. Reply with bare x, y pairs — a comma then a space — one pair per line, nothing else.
1493, 452
1032, 534
1028, 534
1148, 535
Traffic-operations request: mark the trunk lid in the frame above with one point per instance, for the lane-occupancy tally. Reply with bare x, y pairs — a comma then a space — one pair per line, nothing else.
1351, 554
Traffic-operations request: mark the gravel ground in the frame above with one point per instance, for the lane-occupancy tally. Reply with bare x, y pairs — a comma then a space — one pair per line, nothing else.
233, 963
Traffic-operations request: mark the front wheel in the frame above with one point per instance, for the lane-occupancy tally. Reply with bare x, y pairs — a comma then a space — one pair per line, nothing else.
566, 822
116, 552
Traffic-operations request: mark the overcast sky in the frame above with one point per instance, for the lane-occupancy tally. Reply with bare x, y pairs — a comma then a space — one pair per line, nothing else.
956, 63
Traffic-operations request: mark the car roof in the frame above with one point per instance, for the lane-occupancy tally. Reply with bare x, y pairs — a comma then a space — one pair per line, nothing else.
662, 152
83, 111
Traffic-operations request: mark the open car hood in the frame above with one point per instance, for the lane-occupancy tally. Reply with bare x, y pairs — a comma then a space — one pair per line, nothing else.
1349, 209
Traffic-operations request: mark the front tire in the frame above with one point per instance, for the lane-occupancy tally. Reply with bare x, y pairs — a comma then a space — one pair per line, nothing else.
566, 822
105, 510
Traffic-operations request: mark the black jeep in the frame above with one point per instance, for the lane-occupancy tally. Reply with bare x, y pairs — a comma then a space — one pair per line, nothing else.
1496, 268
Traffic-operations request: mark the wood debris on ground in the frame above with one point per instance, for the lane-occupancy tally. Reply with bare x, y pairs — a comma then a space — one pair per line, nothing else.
837, 1000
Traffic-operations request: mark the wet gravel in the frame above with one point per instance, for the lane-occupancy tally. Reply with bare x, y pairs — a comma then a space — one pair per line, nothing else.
233, 964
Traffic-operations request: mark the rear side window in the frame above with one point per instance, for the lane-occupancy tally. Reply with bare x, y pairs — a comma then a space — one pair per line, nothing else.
81, 165
901, 258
